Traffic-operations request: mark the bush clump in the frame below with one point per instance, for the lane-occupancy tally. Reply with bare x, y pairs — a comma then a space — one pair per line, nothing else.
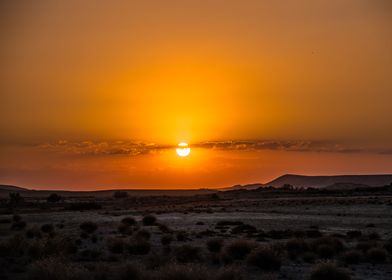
187, 253
129, 221
329, 271
139, 246
377, 255
265, 258
149, 220
215, 245
88, 227
237, 250
352, 257
296, 247
55, 268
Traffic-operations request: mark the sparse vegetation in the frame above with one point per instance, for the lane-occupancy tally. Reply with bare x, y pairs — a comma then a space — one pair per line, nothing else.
329, 271
265, 257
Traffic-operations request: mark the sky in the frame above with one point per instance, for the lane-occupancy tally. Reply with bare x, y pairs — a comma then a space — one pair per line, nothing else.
97, 94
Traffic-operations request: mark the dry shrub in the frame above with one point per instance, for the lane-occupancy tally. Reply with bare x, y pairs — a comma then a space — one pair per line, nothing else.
139, 246
229, 273
182, 272
130, 271
149, 220
115, 245
329, 271
352, 257
88, 227
142, 234
56, 268
47, 228
129, 221
296, 247
166, 239
187, 253
265, 257
327, 247
215, 245
377, 255
237, 250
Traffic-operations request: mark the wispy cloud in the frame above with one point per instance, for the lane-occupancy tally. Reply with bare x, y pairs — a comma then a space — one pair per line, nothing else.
135, 148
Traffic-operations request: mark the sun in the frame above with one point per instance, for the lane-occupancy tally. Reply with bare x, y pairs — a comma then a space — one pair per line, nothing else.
183, 149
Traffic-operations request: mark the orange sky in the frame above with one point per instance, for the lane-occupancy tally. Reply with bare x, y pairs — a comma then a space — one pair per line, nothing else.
87, 86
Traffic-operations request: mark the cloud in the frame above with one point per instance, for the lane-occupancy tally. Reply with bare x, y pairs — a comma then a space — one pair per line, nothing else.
136, 148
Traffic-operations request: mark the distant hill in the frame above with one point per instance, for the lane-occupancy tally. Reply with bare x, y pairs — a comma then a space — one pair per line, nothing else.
9, 188
325, 181
328, 182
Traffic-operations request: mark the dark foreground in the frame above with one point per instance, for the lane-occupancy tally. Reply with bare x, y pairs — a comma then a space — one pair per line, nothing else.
225, 236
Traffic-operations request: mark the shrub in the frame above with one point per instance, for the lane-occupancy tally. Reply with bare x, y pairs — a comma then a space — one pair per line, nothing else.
47, 228
130, 271
181, 236
354, 234
352, 257
149, 220
388, 246
243, 229
129, 221
265, 258
215, 245
377, 255
329, 271
139, 247
309, 257
237, 250
143, 234
115, 245
19, 225
229, 273
81, 206
33, 232
296, 247
53, 198
364, 246
55, 268
120, 194
166, 239
182, 272
327, 247
88, 227
187, 253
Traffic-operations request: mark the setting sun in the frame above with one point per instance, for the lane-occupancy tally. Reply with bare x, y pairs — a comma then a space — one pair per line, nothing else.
183, 149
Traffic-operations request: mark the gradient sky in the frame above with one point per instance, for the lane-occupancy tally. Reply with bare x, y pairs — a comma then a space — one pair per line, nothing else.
96, 94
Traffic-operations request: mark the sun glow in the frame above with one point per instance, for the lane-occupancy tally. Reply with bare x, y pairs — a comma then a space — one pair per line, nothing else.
183, 149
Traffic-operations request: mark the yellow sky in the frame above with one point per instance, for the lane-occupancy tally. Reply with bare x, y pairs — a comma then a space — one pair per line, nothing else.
169, 71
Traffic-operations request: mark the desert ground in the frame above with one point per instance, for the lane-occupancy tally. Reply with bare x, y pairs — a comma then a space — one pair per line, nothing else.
239, 234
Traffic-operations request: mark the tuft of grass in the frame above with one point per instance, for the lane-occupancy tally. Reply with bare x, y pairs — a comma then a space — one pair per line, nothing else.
265, 257
327, 247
